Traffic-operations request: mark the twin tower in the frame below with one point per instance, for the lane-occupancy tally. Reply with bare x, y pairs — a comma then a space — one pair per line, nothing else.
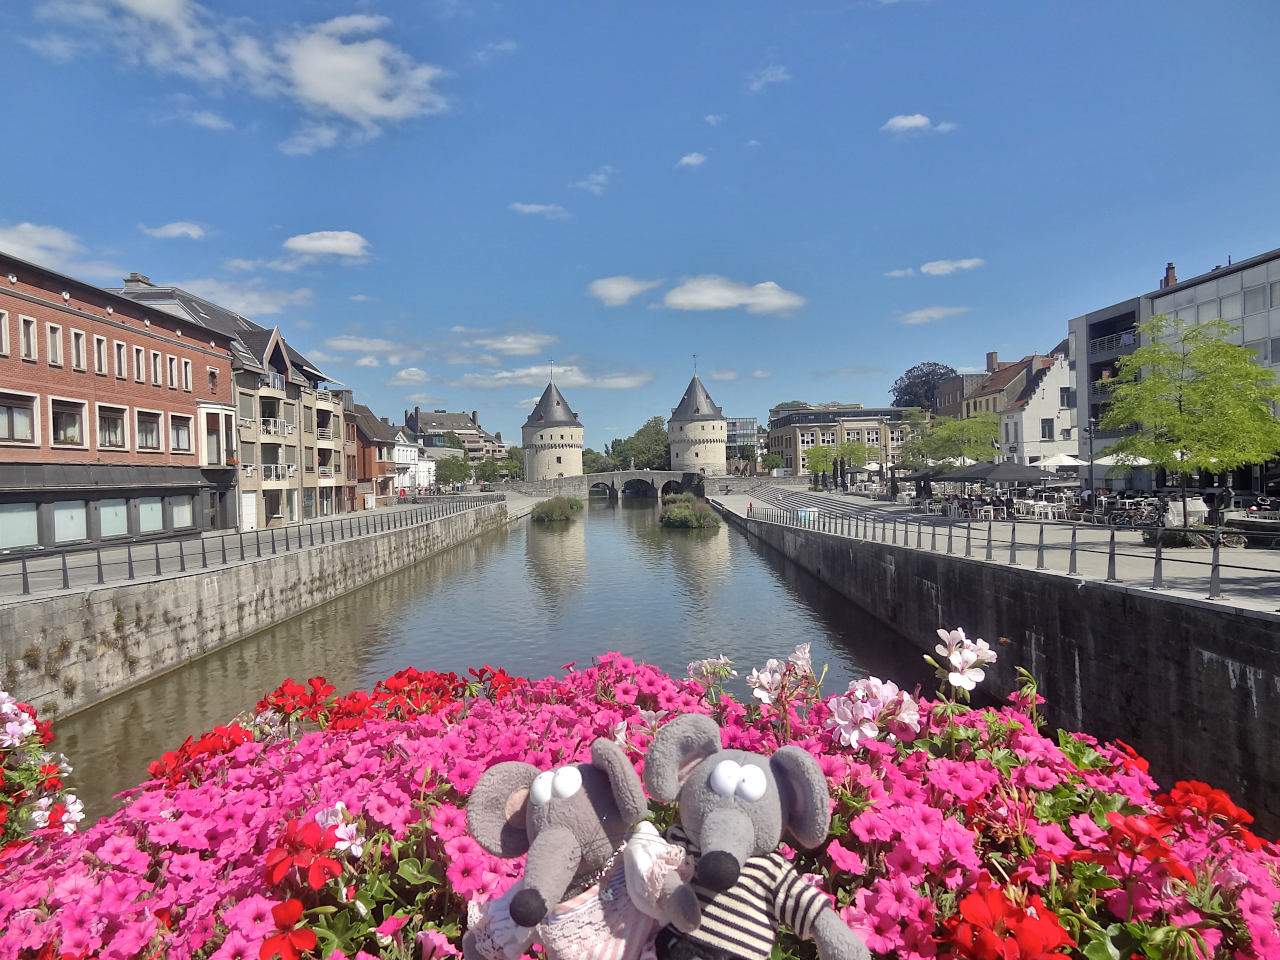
552, 436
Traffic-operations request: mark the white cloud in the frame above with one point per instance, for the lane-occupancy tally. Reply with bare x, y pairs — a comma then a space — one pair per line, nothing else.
905, 272
715, 119
209, 120
724, 374
248, 297
408, 376
322, 243
916, 123
54, 46
616, 291
761, 374
940, 268
491, 51
353, 344
930, 314
359, 297
309, 138
710, 292
762, 78
320, 356
335, 69
753, 143
552, 211
170, 231
596, 182
567, 375
54, 248
515, 344
423, 398
694, 159
369, 361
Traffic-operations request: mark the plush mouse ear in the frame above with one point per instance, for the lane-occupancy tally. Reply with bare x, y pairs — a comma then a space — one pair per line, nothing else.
611, 759
495, 812
802, 788
676, 749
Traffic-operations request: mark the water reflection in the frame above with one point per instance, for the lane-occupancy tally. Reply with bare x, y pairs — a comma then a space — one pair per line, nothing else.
530, 599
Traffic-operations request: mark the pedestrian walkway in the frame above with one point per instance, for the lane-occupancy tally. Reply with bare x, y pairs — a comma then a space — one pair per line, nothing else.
1247, 579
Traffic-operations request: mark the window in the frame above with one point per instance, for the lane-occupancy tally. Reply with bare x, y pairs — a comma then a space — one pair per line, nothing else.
172, 364
69, 521
111, 433
186, 375
139, 364
27, 337
148, 431
308, 420
18, 525
53, 334
895, 435
113, 518
179, 433
245, 406
558, 460
1064, 397
122, 363
4, 333
183, 515
309, 459
873, 438
150, 514
155, 368
68, 423
78, 348
213, 381
100, 355
17, 418
1255, 300
1046, 428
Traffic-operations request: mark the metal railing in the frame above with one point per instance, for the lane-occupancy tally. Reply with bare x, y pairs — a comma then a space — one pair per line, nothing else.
23, 572
273, 471
273, 427
324, 473
324, 433
1112, 342
1092, 553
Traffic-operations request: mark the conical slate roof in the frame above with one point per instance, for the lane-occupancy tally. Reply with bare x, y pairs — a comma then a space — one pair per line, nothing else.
552, 411
696, 404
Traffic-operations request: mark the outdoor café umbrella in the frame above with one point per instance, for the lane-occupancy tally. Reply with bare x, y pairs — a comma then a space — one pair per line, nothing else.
1006, 472
1062, 460
1121, 460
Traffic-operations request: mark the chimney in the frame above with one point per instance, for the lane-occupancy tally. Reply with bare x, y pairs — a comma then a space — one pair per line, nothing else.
993, 362
475, 418
1170, 277
136, 281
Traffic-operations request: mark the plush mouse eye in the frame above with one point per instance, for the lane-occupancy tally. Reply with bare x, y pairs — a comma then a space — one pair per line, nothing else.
725, 777
566, 782
751, 783
540, 789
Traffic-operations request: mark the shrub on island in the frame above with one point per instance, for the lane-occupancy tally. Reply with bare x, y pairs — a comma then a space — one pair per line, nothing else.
557, 508
686, 510
330, 824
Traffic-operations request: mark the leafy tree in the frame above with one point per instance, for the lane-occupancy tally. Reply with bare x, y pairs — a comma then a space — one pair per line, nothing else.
1190, 400
595, 462
452, 470
498, 436
917, 387
820, 459
974, 437
516, 454
771, 461
648, 447
913, 452
451, 439
487, 471
745, 451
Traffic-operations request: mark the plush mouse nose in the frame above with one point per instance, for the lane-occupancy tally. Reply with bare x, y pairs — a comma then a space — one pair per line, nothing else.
528, 908
717, 870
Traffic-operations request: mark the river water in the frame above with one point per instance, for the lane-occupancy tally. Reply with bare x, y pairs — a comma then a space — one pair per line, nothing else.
529, 598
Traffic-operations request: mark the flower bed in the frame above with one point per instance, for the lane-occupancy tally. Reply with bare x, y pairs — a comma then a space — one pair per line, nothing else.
330, 825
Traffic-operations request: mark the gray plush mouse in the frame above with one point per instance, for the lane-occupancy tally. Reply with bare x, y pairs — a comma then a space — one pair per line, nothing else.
734, 808
599, 881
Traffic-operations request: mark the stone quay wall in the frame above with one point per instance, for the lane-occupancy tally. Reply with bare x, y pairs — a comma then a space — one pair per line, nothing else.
67, 651
1194, 687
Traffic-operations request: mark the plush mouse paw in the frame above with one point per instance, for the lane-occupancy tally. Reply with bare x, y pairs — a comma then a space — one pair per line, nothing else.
682, 909
528, 908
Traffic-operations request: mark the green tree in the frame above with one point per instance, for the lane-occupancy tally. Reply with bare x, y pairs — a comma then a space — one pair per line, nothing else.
913, 452
516, 454
487, 471
974, 437
918, 386
820, 459
745, 451
648, 447
771, 461
451, 439
595, 462
452, 470
1188, 400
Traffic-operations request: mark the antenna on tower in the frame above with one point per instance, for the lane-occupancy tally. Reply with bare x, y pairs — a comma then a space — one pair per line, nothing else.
553, 370
695, 364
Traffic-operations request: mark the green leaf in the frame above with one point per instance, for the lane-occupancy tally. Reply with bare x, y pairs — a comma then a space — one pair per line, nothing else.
1098, 946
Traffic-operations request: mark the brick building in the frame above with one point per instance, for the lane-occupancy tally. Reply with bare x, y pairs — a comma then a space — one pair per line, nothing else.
117, 420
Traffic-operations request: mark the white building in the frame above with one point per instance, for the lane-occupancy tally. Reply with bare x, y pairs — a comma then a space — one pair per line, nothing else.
406, 460
1040, 422
552, 439
697, 432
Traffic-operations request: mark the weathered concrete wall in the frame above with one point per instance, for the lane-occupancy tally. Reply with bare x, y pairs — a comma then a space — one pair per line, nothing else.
1192, 686
69, 651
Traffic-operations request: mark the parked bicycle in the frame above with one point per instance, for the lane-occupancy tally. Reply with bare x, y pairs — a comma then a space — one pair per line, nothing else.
1226, 538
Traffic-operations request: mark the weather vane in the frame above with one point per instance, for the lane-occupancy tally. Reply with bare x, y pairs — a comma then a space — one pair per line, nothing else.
695, 363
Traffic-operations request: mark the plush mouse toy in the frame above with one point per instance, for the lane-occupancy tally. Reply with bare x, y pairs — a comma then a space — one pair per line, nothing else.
598, 882
734, 807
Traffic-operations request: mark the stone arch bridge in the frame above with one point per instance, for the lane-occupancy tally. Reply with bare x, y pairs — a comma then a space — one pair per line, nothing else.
644, 483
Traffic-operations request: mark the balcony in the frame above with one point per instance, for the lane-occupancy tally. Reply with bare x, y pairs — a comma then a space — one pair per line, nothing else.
324, 473
324, 433
272, 381
271, 427
279, 471
1113, 343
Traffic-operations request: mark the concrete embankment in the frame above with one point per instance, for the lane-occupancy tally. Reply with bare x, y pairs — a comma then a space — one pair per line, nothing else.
68, 650
1195, 688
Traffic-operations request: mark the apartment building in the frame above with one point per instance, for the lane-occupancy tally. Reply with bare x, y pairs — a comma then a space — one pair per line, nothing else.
117, 420
794, 429
1040, 422
296, 449
375, 459
480, 445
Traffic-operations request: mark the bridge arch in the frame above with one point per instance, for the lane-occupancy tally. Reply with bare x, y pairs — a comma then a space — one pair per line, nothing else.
671, 486
639, 487
602, 489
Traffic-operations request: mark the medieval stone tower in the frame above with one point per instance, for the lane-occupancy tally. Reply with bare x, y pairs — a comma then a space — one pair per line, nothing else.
552, 439
698, 432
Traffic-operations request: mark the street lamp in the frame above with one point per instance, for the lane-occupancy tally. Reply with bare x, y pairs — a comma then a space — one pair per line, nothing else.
1088, 432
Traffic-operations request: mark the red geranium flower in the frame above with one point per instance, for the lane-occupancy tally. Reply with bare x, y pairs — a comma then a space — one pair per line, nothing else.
288, 942
303, 846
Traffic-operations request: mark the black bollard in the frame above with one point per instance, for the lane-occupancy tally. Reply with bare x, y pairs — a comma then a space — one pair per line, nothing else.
101, 578
1111, 558
157, 558
990, 524
66, 572
26, 576
1071, 564
1157, 571
968, 538
129, 552
1215, 573
1040, 550
1013, 544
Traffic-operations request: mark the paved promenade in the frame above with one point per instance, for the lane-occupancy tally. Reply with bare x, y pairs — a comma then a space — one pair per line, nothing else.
1249, 578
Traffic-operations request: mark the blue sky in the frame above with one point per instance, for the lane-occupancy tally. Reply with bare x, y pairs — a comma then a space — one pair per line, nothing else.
435, 198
